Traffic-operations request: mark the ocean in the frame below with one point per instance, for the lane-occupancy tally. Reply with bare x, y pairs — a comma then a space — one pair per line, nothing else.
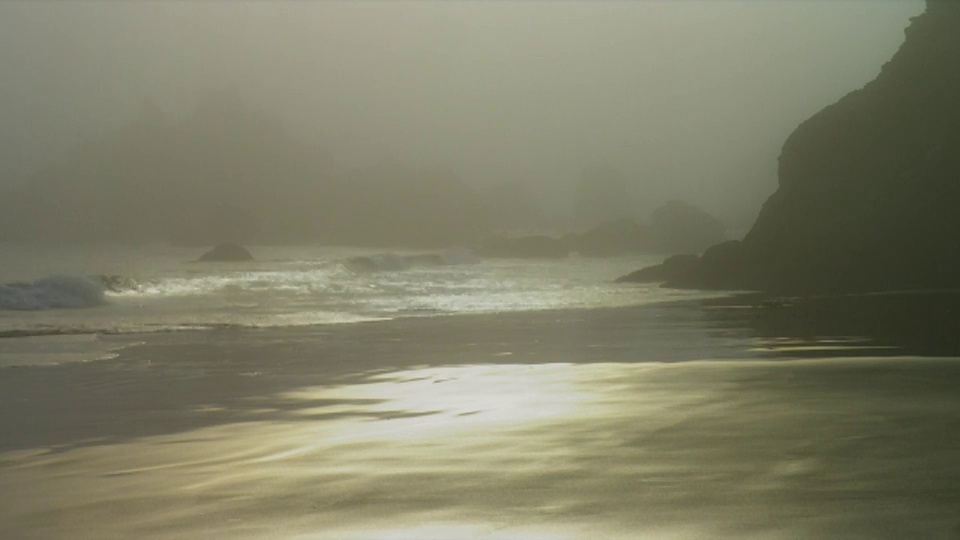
108, 290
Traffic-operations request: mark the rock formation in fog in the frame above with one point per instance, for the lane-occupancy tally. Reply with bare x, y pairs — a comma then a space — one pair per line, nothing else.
868, 187
676, 228
226, 253
675, 267
227, 171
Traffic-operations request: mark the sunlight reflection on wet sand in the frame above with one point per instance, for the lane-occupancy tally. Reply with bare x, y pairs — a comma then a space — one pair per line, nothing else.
443, 401
551, 451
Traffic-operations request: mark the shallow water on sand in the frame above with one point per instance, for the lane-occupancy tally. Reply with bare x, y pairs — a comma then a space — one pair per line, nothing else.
651, 422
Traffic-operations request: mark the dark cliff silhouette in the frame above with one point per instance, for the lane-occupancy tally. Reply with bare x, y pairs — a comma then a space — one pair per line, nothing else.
868, 187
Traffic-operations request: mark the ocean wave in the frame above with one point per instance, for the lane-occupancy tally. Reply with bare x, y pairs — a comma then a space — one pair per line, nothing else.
385, 262
457, 256
320, 275
307, 280
118, 284
53, 292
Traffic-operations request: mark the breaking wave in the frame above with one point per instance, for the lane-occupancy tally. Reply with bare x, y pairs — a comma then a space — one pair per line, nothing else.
57, 291
393, 262
117, 284
333, 275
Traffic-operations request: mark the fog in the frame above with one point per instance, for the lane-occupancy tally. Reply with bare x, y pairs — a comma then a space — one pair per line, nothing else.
684, 100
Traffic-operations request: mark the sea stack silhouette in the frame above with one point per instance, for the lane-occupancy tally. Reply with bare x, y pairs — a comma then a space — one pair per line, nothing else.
869, 187
226, 253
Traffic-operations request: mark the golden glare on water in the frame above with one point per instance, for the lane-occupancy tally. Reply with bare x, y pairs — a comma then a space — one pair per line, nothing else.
485, 427
444, 401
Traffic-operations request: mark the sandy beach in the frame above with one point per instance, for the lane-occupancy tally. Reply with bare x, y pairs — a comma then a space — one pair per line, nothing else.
685, 420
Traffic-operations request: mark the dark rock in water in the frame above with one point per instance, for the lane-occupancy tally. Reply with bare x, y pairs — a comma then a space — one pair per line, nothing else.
611, 239
533, 247
868, 186
674, 268
680, 227
226, 253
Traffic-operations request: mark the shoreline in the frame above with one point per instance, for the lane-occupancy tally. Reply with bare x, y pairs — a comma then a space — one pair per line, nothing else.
122, 336
234, 365
924, 323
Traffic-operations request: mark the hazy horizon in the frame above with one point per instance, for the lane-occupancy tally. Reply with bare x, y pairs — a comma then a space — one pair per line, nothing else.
686, 100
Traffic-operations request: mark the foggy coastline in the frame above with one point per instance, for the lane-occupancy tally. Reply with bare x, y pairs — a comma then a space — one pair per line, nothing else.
493, 270
218, 122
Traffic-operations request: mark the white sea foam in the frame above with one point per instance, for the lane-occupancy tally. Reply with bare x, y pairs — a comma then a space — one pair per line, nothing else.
160, 290
261, 280
381, 262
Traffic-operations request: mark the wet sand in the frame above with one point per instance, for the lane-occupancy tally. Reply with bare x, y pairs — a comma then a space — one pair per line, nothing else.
739, 418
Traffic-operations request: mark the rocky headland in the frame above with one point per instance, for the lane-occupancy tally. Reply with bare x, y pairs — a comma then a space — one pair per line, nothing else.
868, 187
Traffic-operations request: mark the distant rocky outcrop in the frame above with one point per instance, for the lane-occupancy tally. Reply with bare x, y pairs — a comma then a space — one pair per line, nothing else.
722, 266
226, 253
676, 228
676, 266
868, 187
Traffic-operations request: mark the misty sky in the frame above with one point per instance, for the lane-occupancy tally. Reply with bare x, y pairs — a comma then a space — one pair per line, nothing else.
688, 99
